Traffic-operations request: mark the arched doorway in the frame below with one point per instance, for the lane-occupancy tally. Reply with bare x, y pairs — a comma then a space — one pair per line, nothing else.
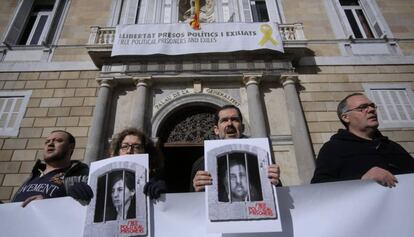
182, 136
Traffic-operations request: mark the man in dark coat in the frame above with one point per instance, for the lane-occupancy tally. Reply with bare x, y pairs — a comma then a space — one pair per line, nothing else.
361, 151
57, 175
228, 125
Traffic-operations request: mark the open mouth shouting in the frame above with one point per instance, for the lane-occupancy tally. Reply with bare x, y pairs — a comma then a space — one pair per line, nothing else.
230, 131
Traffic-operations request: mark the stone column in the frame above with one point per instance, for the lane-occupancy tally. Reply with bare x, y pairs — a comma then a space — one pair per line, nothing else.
300, 135
97, 130
140, 102
256, 114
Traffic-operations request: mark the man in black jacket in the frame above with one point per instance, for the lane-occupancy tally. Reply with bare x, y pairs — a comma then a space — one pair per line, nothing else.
361, 151
57, 176
228, 125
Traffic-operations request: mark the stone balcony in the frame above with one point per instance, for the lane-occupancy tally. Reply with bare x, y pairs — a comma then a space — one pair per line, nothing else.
101, 40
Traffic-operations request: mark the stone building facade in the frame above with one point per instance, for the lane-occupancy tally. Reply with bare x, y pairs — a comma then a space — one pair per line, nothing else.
56, 72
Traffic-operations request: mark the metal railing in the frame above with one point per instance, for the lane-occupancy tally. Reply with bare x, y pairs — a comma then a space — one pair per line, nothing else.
106, 35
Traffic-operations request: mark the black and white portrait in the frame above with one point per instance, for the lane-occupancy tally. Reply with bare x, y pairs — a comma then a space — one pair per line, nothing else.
240, 180
119, 207
115, 196
241, 190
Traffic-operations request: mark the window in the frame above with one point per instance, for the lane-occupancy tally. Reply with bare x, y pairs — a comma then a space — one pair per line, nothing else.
356, 19
35, 23
259, 10
255, 11
129, 11
361, 19
12, 107
395, 104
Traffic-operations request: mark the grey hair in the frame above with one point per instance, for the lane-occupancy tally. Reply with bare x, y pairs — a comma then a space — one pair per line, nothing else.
343, 107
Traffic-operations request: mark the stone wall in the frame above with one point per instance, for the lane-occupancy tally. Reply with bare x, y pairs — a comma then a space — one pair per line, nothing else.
322, 92
60, 100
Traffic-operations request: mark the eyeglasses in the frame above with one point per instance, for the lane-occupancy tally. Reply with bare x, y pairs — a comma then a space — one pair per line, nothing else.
134, 147
363, 107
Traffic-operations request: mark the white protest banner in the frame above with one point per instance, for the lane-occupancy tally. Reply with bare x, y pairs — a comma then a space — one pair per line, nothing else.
340, 209
180, 38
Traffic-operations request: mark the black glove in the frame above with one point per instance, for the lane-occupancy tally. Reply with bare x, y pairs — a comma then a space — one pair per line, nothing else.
154, 188
81, 191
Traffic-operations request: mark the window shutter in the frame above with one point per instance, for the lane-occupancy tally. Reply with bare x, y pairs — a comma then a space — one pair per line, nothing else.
10, 108
53, 21
247, 12
393, 105
19, 22
343, 19
167, 11
407, 105
131, 12
382, 108
373, 17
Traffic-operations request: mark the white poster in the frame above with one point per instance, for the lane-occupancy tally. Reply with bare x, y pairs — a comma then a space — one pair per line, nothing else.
180, 38
340, 209
119, 206
241, 198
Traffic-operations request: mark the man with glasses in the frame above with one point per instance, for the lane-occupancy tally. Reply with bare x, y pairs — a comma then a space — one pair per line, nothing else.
360, 151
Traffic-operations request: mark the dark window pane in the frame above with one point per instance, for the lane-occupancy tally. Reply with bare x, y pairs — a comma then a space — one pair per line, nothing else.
262, 11
349, 2
39, 29
27, 30
137, 15
364, 24
353, 23
259, 11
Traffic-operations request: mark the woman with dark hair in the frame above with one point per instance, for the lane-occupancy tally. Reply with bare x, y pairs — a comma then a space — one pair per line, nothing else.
122, 196
134, 141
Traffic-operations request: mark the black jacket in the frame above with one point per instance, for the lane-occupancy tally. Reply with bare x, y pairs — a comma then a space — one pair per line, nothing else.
346, 156
77, 172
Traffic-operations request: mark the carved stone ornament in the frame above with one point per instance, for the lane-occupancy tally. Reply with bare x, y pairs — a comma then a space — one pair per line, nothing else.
194, 129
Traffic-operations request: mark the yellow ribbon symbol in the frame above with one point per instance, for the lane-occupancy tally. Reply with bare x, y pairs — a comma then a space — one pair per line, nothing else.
267, 31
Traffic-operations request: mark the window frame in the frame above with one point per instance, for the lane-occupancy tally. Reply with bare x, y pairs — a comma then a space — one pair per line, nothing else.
382, 45
369, 89
18, 24
354, 9
36, 25
13, 131
255, 10
372, 14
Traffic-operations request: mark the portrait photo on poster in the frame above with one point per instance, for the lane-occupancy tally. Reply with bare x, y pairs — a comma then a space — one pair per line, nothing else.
119, 207
241, 190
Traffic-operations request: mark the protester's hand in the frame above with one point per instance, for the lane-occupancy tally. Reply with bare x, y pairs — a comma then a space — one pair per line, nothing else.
382, 176
32, 198
154, 188
81, 191
201, 179
273, 173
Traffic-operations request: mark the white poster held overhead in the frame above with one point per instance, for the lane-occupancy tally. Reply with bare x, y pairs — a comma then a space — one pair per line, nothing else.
119, 206
180, 38
241, 198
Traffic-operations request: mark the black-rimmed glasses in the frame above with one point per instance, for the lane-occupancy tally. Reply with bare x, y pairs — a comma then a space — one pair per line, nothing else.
134, 147
363, 107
